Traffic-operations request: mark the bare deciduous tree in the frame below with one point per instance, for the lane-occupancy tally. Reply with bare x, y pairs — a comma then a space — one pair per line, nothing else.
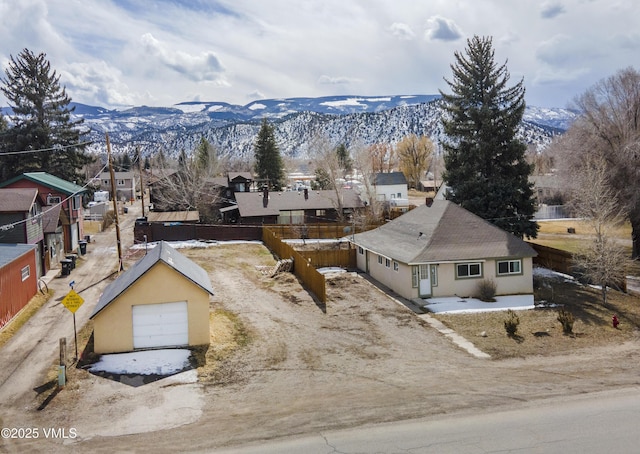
610, 127
602, 261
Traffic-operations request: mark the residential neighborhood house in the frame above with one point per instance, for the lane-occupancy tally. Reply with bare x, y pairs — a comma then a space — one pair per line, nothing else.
21, 222
161, 301
18, 279
292, 207
391, 189
126, 184
52, 191
442, 249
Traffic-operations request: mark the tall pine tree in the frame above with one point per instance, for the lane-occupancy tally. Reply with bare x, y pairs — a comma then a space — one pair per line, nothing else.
485, 162
269, 166
41, 120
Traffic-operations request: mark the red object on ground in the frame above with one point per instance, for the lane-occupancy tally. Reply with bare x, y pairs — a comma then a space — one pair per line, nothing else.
615, 321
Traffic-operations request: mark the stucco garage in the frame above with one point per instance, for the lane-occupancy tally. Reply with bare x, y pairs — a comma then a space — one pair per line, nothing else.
161, 301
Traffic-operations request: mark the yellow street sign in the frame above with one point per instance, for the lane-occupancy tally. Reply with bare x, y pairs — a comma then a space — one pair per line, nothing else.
72, 301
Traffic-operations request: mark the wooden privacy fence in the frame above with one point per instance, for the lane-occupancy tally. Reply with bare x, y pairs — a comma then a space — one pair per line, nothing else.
302, 268
317, 231
552, 258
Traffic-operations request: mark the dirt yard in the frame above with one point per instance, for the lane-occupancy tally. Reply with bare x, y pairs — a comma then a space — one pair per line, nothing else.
301, 366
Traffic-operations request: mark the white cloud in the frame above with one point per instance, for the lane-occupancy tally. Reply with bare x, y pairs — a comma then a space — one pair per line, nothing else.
205, 67
402, 31
341, 80
442, 29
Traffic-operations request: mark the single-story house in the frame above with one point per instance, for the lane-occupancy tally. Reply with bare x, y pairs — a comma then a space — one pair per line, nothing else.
53, 190
291, 207
21, 221
442, 249
161, 301
18, 280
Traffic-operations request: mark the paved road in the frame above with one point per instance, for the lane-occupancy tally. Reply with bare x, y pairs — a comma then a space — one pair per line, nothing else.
29, 355
593, 423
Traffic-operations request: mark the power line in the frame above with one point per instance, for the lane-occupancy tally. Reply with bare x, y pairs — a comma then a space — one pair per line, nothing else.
39, 150
6, 227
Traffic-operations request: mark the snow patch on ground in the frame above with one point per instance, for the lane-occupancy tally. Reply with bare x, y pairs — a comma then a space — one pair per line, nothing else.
148, 362
457, 305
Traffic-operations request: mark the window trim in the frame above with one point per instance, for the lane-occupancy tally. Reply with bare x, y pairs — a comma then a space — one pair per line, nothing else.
360, 250
414, 276
396, 266
387, 262
25, 272
468, 266
509, 272
379, 259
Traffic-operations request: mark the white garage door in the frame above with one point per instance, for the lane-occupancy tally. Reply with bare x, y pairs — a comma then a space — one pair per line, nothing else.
160, 325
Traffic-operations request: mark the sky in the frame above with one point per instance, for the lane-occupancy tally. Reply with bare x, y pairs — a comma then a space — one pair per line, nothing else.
115, 53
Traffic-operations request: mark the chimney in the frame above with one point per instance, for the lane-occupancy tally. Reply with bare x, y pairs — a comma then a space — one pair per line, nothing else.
428, 201
306, 194
265, 197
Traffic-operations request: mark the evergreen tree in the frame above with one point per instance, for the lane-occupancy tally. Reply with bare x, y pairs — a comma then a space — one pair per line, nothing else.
485, 163
269, 165
147, 163
41, 120
346, 164
125, 162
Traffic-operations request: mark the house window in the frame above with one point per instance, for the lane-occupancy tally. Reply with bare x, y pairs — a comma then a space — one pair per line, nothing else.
414, 276
106, 182
53, 199
434, 275
120, 183
380, 260
387, 263
506, 267
468, 270
399, 195
26, 272
321, 213
360, 250
396, 267
76, 202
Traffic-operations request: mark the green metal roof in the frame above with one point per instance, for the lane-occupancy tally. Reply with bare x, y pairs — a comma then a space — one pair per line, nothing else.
46, 179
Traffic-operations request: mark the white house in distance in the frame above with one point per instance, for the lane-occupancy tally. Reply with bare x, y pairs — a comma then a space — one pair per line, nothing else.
391, 188
126, 184
442, 249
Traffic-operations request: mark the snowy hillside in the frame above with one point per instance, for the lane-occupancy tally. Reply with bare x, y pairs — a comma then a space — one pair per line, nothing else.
352, 120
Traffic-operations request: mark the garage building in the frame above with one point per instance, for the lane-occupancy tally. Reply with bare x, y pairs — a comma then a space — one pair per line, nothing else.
162, 301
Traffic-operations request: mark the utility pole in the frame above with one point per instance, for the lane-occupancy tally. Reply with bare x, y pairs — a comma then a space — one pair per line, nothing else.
141, 179
115, 203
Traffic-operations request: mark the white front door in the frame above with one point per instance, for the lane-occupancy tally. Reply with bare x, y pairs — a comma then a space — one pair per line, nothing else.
425, 281
160, 325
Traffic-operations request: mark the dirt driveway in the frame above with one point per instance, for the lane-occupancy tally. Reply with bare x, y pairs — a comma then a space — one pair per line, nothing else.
361, 358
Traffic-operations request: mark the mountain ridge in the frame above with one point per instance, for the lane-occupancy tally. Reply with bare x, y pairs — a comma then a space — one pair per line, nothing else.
349, 119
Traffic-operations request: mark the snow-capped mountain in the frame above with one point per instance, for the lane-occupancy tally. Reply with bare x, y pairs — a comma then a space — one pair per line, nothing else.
352, 120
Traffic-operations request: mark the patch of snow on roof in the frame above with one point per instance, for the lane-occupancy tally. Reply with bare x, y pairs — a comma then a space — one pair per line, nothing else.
148, 362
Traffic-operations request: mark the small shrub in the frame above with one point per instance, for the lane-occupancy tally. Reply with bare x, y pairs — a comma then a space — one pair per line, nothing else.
566, 320
511, 323
487, 290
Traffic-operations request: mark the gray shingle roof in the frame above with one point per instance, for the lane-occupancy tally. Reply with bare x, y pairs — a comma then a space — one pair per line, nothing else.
163, 252
442, 232
389, 178
10, 252
252, 204
17, 200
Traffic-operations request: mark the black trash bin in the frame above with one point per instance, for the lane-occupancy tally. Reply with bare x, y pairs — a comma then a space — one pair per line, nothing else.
72, 258
66, 266
83, 247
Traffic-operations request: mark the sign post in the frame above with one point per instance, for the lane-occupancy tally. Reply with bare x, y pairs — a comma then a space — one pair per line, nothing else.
72, 302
